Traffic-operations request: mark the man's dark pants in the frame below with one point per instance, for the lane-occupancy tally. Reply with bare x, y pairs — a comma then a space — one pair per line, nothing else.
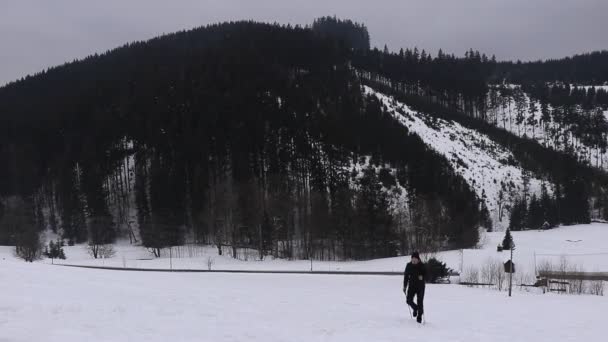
419, 293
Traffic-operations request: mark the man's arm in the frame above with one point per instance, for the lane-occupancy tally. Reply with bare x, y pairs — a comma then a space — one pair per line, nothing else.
423, 272
406, 276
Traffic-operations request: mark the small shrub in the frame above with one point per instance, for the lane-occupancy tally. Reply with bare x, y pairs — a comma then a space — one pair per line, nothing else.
55, 250
436, 269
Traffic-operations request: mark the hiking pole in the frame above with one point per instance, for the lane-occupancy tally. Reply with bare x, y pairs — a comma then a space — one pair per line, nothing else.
408, 306
424, 316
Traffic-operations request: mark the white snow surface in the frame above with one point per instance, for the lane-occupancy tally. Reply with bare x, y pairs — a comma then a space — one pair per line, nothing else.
482, 162
41, 302
581, 245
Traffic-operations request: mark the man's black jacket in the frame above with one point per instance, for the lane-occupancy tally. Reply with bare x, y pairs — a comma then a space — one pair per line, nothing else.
414, 275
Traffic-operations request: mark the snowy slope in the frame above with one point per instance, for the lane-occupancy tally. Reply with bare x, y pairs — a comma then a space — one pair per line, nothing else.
485, 165
48, 303
504, 114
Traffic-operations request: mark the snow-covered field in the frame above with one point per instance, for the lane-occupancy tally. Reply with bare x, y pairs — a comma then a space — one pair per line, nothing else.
590, 253
41, 302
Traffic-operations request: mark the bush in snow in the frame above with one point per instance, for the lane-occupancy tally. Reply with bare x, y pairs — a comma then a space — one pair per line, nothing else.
54, 250
29, 251
436, 269
27, 245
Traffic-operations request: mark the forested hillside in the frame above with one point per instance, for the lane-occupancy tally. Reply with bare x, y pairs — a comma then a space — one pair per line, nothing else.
557, 131
262, 136
240, 134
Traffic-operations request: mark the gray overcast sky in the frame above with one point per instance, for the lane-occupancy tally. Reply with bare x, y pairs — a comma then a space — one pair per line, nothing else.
35, 34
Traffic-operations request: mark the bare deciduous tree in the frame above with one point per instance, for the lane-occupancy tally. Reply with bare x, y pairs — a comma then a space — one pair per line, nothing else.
101, 235
596, 287
577, 286
471, 275
99, 251
500, 275
28, 246
487, 272
19, 221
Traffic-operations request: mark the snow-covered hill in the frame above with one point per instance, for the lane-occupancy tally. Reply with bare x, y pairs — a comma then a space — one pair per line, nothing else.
489, 168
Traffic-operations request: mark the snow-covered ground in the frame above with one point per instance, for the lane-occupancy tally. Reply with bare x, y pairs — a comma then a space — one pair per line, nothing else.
40, 302
484, 164
581, 245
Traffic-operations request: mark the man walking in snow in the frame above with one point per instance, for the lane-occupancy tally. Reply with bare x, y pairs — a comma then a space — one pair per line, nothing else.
415, 274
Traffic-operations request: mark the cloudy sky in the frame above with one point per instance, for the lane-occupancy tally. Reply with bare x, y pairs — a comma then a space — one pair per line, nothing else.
35, 34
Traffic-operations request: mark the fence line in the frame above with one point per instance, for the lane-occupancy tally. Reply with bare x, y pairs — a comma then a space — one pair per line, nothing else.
233, 271
567, 255
574, 275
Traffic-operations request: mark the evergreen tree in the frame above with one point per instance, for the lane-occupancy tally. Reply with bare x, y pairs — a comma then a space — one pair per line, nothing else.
435, 270
354, 34
536, 215
54, 250
507, 242
519, 214
549, 209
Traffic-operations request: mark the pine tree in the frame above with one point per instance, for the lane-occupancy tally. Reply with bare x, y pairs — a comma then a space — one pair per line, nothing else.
546, 202
507, 242
440, 55
519, 213
535, 217
54, 250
